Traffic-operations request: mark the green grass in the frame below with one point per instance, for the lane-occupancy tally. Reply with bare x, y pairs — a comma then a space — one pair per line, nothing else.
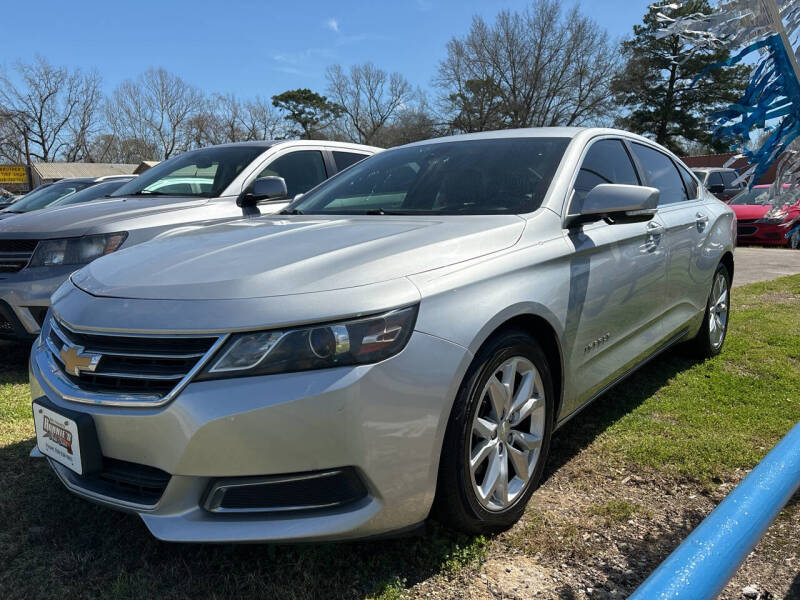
676, 417
724, 414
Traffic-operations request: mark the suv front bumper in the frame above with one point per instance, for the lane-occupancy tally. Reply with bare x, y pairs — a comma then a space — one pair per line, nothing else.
25, 298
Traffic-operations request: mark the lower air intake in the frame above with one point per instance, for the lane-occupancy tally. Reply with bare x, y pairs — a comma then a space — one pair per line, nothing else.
285, 493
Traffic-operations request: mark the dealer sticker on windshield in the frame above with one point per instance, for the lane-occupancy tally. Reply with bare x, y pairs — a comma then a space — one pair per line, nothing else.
57, 437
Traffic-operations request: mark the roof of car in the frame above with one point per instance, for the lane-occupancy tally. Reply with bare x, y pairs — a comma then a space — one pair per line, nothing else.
568, 132
265, 144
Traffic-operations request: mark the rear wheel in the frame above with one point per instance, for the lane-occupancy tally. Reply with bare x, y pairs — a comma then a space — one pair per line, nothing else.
498, 436
711, 337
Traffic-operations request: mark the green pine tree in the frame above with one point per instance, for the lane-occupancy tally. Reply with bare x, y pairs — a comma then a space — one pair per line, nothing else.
657, 90
308, 111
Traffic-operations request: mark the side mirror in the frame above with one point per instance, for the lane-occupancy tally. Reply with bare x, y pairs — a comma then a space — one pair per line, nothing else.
265, 188
619, 203
297, 197
717, 188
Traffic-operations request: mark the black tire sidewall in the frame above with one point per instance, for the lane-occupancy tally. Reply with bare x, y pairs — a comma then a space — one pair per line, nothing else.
506, 345
709, 348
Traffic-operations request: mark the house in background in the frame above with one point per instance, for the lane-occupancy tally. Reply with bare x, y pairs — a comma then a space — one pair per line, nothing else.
719, 160
53, 171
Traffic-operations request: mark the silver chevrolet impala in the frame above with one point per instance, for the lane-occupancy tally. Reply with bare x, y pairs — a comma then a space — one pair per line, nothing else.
406, 337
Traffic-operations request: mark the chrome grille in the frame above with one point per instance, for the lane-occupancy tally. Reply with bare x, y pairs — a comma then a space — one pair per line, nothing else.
126, 368
15, 254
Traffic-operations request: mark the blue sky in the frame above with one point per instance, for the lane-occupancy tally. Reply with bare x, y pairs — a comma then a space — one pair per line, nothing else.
258, 47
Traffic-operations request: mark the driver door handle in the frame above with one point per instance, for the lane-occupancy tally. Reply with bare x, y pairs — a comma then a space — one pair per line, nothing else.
655, 229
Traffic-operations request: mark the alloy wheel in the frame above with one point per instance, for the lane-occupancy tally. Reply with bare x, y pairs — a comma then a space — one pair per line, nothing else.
507, 432
718, 311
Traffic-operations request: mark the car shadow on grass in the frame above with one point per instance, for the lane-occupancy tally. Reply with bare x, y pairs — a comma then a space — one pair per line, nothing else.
586, 426
58, 543
14, 362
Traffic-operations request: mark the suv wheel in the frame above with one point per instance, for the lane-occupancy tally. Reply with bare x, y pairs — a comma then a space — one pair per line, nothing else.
498, 436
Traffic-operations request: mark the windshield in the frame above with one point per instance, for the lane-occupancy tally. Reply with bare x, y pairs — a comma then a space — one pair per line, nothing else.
204, 173
95, 192
496, 176
761, 197
46, 196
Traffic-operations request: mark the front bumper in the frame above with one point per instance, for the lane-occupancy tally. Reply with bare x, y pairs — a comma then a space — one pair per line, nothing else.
386, 421
25, 297
763, 234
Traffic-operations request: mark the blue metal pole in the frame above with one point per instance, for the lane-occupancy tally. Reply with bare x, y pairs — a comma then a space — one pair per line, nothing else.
707, 559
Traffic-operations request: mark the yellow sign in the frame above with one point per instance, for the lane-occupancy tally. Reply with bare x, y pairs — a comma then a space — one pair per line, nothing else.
13, 174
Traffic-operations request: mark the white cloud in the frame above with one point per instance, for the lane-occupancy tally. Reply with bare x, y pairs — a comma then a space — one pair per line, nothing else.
332, 24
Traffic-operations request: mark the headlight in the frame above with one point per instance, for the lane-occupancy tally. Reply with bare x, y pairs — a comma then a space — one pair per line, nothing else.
359, 341
75, 251
774, 216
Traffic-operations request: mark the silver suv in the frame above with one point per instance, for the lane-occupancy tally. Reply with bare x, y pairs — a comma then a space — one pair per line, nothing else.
39, 250
409, 336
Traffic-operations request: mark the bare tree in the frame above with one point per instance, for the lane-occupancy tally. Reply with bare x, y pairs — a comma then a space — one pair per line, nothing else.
370, 97
224, 119
107, 147
262, 121
415, 121
156, 109
539, 67
52, 108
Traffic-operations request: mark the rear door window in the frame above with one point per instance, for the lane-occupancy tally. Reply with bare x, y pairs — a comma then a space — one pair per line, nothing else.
607, 161
728, 177
715, 179
302, 170
661, 174
345, 159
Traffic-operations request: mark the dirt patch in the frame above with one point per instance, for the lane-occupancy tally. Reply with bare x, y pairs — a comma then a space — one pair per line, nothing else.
571, 544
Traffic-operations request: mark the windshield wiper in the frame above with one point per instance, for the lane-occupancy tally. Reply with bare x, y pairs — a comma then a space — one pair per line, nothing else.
292, 211
383, 211
155, 193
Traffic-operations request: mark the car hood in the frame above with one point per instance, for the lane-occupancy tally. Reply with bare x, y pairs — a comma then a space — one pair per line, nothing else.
253, 258
80, 219
746, 212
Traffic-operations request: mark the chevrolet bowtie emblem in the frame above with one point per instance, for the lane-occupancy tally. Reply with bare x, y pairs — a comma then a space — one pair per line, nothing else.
75, 360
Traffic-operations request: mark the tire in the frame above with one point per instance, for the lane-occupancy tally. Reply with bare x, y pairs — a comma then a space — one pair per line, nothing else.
519, 441
708, 341
794, 240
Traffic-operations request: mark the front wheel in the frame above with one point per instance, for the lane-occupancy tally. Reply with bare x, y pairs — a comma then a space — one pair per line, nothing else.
711, 336
794, 239
497, 437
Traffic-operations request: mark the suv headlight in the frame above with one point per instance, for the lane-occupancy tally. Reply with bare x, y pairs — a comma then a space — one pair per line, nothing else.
774, 216
75, 251
353, 342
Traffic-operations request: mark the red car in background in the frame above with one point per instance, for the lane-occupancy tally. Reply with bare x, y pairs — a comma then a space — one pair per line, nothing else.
766, 220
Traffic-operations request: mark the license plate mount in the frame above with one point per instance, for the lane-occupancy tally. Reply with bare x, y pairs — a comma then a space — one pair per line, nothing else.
67, 436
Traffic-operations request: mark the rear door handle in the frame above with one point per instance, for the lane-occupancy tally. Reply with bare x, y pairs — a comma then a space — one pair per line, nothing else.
701, 219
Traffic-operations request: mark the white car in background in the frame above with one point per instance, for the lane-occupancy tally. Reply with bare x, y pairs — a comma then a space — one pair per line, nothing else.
39, 250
